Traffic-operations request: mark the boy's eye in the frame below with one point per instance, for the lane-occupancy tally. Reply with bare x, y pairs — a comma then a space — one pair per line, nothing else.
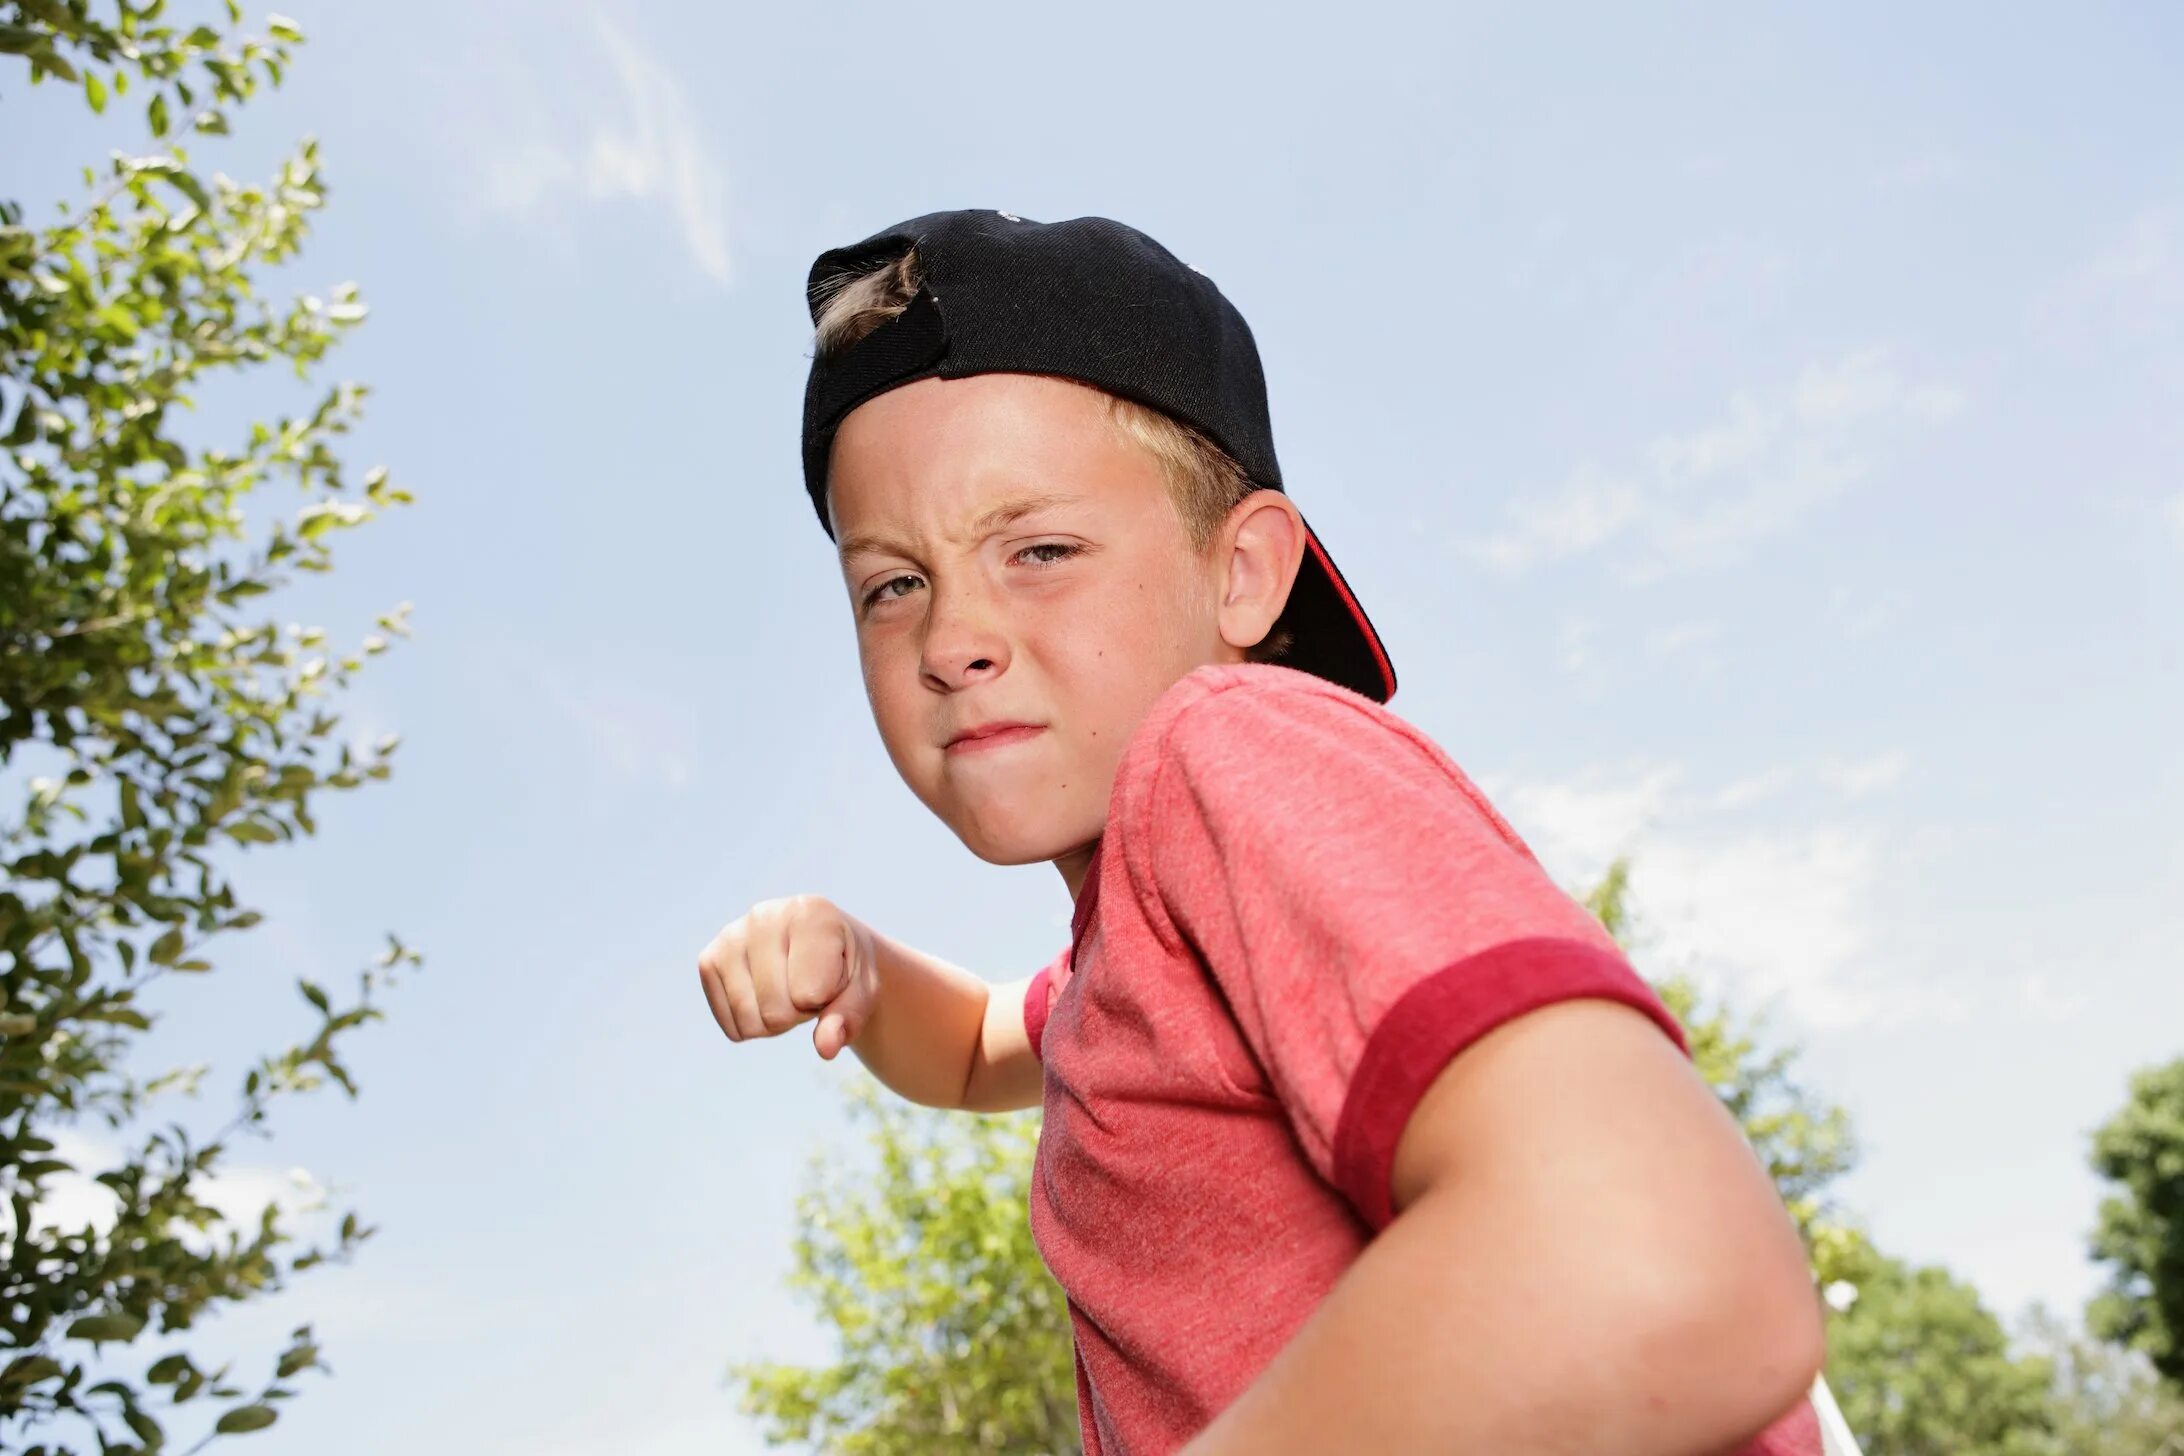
1045, 553
894, 586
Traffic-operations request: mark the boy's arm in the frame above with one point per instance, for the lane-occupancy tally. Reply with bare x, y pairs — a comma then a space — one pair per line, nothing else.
933, 1032
939, 1035
1585, 1257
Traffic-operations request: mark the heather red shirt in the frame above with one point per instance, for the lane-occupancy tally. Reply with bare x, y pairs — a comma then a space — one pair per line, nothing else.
1299, 912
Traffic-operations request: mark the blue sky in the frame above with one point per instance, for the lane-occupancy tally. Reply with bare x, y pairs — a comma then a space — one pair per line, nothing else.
1756, 434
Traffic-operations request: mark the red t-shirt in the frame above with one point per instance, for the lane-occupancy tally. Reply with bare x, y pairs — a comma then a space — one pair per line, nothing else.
1299, 912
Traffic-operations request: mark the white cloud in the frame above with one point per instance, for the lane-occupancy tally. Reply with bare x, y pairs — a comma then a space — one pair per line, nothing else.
1929, 168
2135, 282
1687, 640
1575, 646
1593, 509
2039, 996
637, 736
1705, 496
1783, 916
1578, 826
649, 147
1752, 789
1862, 777
1861, 614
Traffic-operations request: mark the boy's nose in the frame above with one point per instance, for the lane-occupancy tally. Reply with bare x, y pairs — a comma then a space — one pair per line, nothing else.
962, 643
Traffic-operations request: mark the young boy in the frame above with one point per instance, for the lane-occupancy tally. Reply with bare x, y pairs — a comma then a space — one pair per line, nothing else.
1360, 1135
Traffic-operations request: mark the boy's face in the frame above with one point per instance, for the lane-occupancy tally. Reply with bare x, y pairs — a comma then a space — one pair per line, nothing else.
1023, 590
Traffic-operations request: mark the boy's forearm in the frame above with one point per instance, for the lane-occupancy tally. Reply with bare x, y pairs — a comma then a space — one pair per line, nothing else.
929, 1039
1434, 1341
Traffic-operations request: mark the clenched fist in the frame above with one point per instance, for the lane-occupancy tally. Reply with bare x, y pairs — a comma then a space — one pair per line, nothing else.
789, 961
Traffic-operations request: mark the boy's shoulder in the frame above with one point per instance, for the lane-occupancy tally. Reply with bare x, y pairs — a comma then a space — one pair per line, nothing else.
1265, 745
1247, 709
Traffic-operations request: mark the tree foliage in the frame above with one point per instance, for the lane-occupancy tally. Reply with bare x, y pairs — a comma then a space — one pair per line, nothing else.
1922, 1368
2140, 1236
2107, 1400
953, 1338
155, 728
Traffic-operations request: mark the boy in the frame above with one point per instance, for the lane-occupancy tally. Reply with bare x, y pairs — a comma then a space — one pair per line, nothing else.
1359, 1134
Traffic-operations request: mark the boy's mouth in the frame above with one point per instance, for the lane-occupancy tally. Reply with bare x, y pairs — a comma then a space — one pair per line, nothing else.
992, 735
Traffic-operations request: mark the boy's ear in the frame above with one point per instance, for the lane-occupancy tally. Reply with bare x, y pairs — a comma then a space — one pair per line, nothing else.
1263, 542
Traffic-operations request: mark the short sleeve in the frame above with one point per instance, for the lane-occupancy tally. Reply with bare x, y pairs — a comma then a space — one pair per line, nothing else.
1039, 996
1364, 910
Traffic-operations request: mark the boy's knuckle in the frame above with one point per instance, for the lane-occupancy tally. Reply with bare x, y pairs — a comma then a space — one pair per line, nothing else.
742, 1003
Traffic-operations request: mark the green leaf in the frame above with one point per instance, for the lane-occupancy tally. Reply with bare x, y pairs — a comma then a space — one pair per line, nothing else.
246, 1418
102, 1327
168, 1369
156, 114
28, 1369
187, 184
282, 28
316, 997
94, 90
167, 949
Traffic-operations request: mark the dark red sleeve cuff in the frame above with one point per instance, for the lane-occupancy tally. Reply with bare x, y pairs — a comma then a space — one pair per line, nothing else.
1036, 1008
1440, 1016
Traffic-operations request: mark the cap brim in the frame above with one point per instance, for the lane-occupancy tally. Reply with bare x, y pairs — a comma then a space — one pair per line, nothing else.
1330, 635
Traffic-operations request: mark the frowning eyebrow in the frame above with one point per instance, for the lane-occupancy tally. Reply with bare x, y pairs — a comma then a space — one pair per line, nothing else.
1005, 514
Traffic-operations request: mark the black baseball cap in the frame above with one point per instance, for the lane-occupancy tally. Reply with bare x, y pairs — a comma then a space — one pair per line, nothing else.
1094, 300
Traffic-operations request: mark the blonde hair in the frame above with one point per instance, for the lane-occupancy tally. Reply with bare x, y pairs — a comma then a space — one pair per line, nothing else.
1203, 480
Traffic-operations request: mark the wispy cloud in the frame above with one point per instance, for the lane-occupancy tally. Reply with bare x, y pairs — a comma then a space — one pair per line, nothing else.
1861, 613
1705, 496
634, 733
1931, 167
1751, 789
2039, 996
1576, 646
2134, 282
649, 146
1690, 642
1787, 916
1862, 776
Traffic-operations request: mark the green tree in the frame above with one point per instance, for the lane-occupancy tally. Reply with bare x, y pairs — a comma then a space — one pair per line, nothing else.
2140, 1235
1922, 1368
953, 1337
154, 727
2108, 1400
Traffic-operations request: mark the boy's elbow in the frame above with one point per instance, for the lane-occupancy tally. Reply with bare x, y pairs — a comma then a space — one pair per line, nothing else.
1725, 1352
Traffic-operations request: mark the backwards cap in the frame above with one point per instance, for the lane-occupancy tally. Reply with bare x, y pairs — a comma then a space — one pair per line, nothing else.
1093, 300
